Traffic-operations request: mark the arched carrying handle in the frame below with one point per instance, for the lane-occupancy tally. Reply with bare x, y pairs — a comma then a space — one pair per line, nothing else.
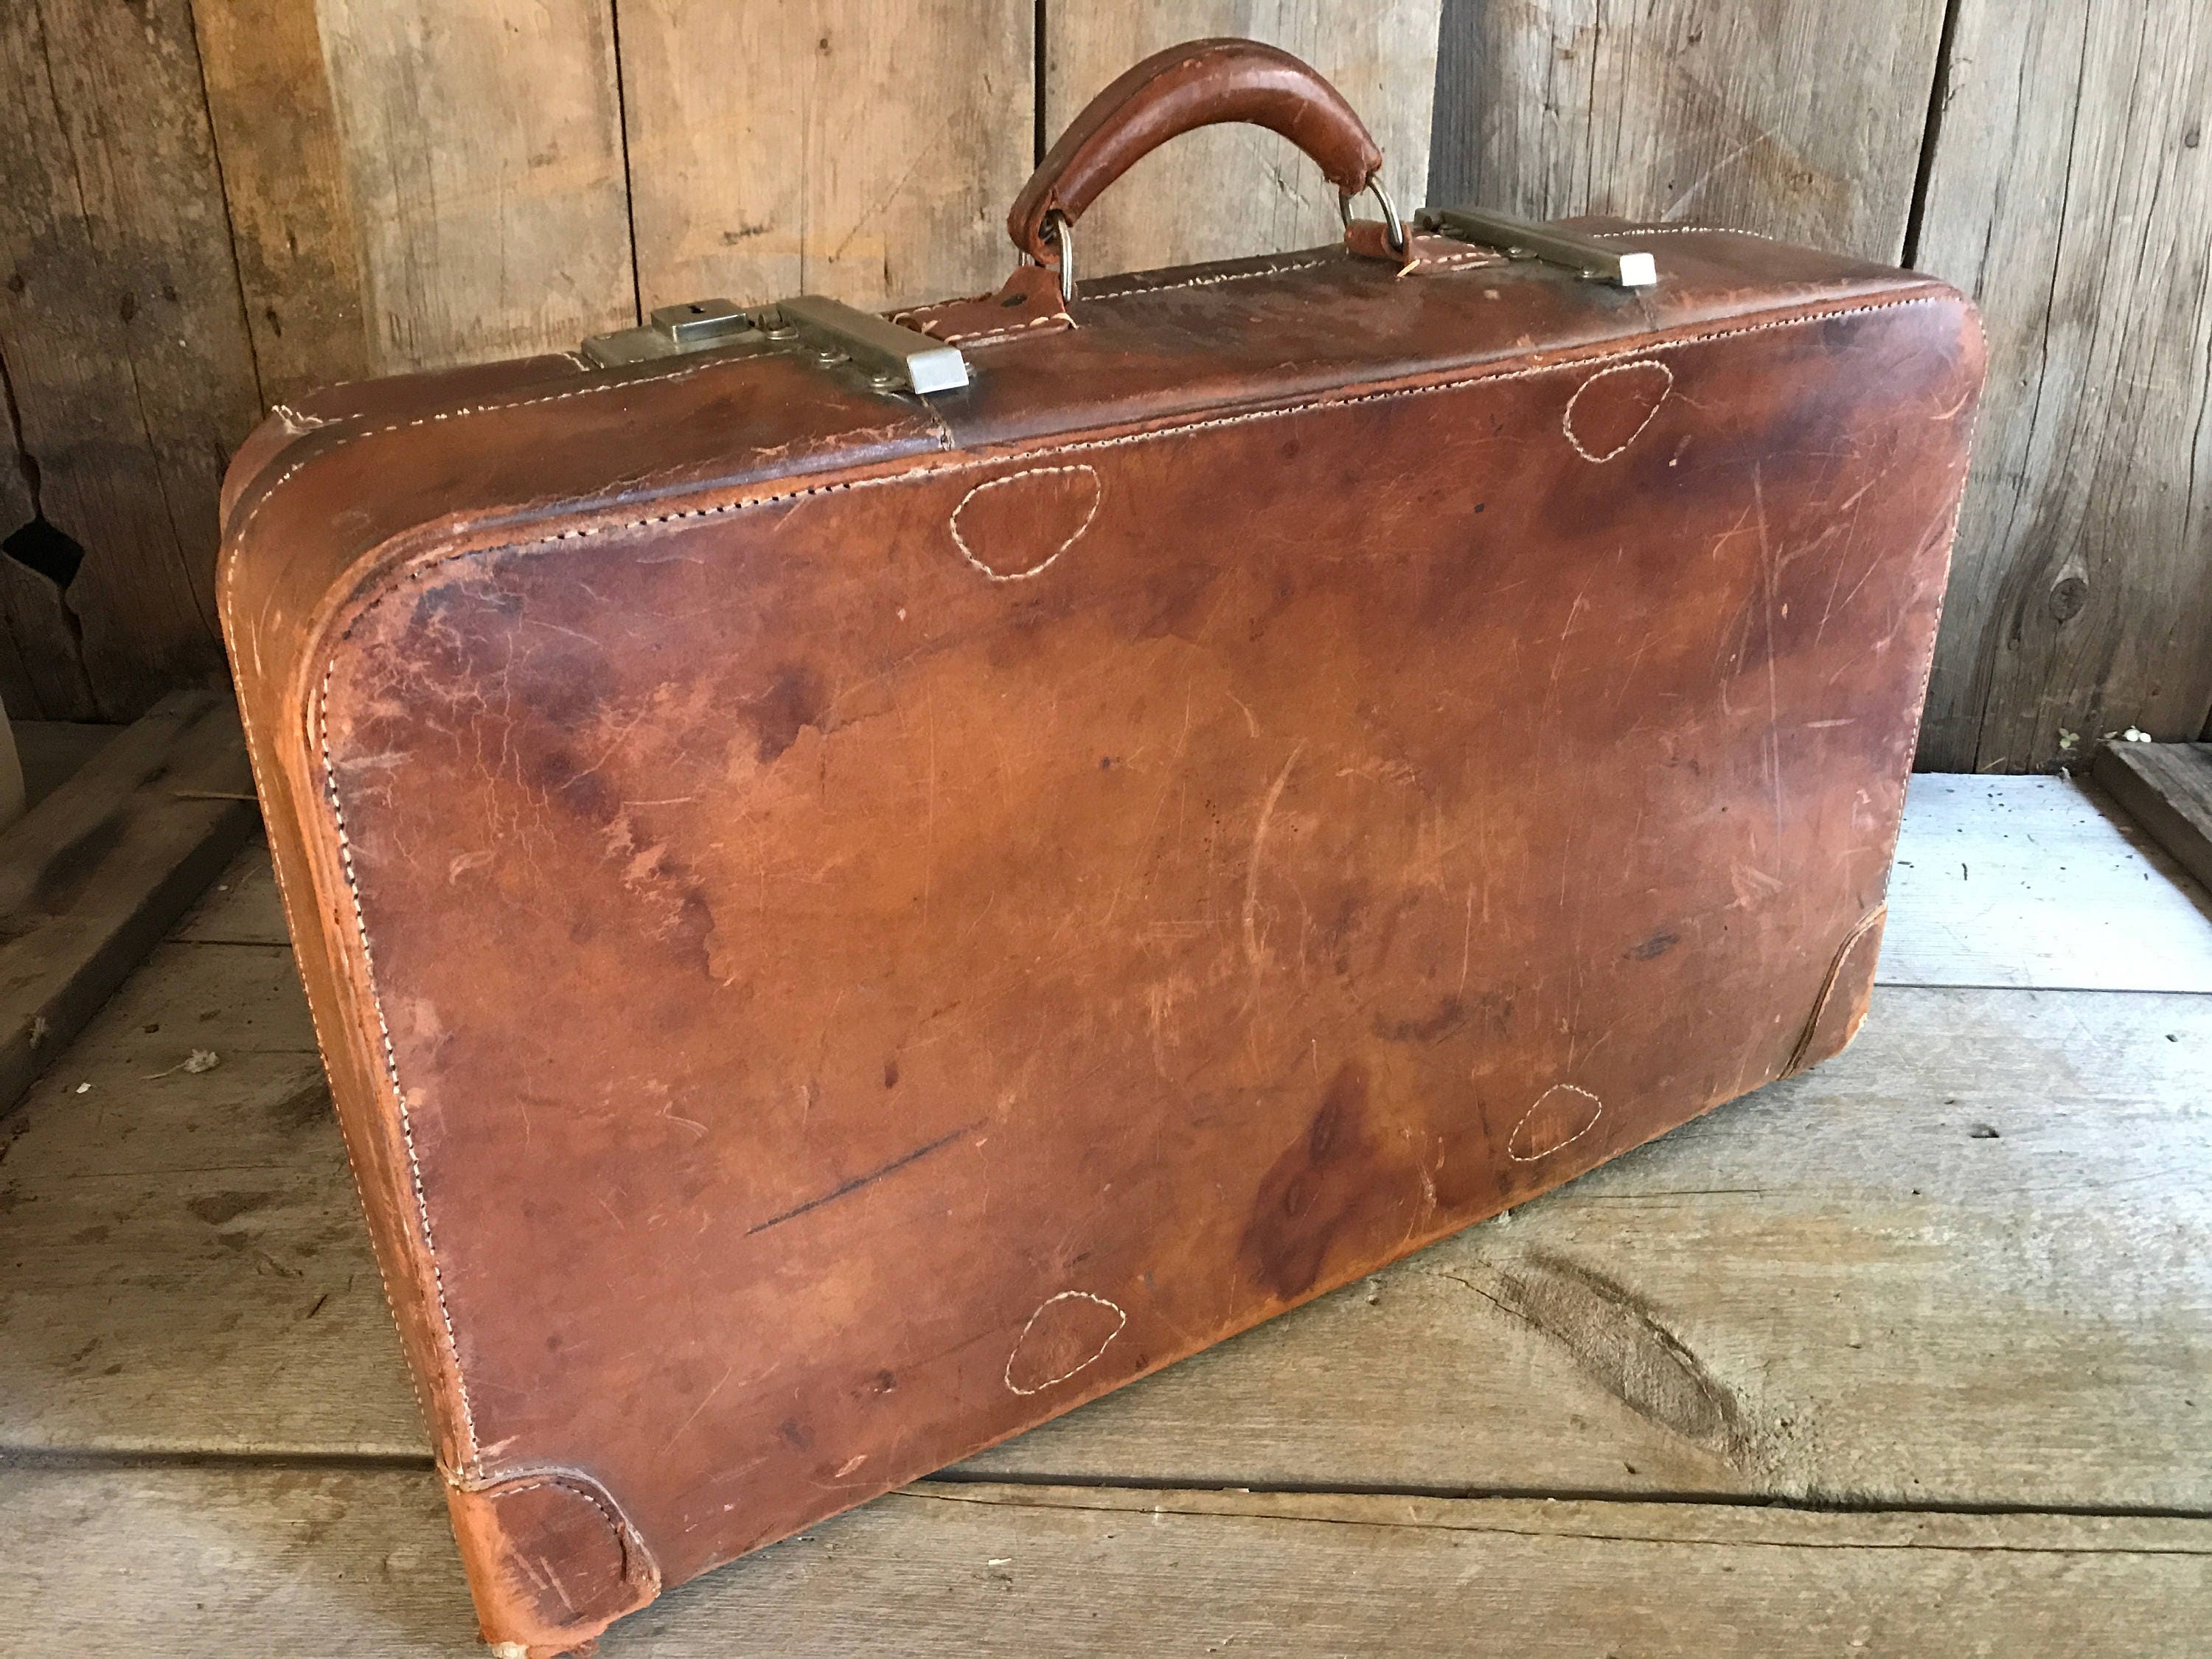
1196, 84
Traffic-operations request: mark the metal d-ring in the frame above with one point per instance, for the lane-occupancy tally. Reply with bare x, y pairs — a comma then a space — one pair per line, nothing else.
1064, 234
1392, 225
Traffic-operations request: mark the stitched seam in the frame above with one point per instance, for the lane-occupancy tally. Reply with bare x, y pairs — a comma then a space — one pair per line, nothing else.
986, 337
229, 614
1089, 446
1478, 257
1013, 1387
655, 381
952, 524
1567, 415
391, 1064
1211, 281
1680, 230
1538, 1157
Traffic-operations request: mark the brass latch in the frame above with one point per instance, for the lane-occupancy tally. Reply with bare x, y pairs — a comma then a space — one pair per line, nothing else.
889, 357
1518, 239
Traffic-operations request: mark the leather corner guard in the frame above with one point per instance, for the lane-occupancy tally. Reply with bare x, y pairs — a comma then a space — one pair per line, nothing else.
551, 1561
1841, 1006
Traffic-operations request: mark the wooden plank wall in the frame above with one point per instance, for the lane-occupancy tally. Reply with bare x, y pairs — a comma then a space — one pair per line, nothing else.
2049, 159
2070, 192
207, 206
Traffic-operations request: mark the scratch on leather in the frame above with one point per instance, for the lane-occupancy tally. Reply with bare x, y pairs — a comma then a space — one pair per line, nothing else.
861, 1181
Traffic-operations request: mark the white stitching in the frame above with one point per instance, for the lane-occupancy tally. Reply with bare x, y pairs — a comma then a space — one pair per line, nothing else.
1225, 276
990, 336
392, 1062
1536, 1157
294, 421
226, 588
330, 769
1475, 256
1082, 1364
952, 524
1567, 415
1679, 230
655, 381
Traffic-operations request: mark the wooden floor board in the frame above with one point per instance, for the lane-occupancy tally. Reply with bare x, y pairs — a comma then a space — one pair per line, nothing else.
2038, 882
354, 1564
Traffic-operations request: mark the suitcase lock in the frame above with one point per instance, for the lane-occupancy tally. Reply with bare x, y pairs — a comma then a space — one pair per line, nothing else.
889, 357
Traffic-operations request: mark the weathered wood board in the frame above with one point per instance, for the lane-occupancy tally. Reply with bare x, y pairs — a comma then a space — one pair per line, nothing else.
2167, 788
1230, 192
42, 660
2069, 189
483, 154
843, 147
1794, 119
2038, 882
123, 336
355, 1564
94, 877
284, 180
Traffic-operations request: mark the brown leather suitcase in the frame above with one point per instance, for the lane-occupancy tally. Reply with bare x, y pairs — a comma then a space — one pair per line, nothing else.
863, 884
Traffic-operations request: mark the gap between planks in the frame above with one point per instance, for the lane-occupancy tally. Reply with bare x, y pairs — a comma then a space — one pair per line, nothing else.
355, 1563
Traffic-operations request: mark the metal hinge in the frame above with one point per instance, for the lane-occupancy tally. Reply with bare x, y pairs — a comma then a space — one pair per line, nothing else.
1518, 239
889, 357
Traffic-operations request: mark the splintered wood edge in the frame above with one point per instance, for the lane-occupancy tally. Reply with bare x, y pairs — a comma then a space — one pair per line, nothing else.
95, 875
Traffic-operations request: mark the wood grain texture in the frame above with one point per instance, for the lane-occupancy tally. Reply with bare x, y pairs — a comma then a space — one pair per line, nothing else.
42, 661
2067, 194
484, 151
1226, 192
2167, 788
2038, 883
122, 333
1792, 118
864, 151
92, 878
54, 751
1839, 1288
353, 1563
283, 176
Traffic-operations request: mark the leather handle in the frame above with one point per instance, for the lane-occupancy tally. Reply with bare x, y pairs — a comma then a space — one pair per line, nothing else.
1196, 84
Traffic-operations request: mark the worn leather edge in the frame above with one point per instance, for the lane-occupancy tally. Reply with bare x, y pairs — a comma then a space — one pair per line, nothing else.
547, 1578
1841, 1006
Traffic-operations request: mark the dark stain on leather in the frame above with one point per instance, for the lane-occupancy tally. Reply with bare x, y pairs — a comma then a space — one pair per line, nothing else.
795, 699
1654, 947
1323, 1187
1449, 1015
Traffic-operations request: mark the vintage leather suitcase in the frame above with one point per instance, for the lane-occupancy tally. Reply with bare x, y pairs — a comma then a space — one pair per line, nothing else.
863, 885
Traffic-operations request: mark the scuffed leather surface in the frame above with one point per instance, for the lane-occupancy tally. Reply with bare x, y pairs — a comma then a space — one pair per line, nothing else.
861, 983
